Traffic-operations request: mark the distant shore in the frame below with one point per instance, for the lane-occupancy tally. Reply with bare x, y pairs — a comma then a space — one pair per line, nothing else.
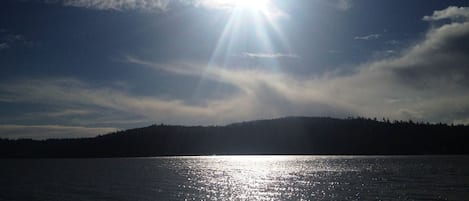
285, 136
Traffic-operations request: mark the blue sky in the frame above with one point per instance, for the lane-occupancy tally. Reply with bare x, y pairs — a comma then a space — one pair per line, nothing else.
76, 68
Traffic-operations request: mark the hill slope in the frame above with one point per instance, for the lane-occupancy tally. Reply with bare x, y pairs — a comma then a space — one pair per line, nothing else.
294, 135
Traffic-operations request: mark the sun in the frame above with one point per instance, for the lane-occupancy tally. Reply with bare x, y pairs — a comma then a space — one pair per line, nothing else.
251, 25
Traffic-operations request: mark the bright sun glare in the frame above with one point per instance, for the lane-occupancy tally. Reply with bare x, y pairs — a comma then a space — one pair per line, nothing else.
257, 5
260, 16
252, 5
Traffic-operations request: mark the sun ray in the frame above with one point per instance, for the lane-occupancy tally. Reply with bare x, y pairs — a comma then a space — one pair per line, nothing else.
258, 19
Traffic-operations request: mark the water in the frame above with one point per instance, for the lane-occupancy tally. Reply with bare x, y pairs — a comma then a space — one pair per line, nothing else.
237, 178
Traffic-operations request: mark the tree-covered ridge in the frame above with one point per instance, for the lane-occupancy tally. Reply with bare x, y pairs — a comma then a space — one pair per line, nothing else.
292, 135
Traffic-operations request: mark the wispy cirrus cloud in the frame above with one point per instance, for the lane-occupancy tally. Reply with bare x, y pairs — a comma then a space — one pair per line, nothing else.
267, 6
50, 131
68, 112
344, 4
268, 55
115, 4
73, 92
162, 5
4, 46
9, 39
368, 37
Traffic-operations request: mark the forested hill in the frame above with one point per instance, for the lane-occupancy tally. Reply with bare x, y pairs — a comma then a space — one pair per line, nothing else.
294, 135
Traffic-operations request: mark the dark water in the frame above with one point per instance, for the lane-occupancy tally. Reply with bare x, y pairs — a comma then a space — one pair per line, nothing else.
237, 178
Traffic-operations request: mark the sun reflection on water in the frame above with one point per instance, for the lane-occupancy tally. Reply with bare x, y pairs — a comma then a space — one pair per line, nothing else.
255, 177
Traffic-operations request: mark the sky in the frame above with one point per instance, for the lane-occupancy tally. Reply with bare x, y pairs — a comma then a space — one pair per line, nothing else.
79, 68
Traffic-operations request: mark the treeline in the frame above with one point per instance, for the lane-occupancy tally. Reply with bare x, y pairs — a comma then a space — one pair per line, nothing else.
293, 135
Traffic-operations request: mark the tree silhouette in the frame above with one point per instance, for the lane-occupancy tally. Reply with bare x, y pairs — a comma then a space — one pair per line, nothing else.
292, 135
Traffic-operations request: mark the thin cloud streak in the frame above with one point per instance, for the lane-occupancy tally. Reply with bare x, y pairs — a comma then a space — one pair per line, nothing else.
368, 37
41, 132
4, 46
269, 6
269, 55
115, 4
344, 4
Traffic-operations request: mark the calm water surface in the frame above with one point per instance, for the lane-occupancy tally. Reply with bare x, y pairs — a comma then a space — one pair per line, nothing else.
237, 178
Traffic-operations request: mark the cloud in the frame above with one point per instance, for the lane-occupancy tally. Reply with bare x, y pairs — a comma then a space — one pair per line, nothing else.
4, 46
9, 39
268, 6
115, 4
68, 112
368, 37
161, 5
219, 4
462, 121
73, 92
344, 4
14, 37
451, 12
50, 131
428, 81
268, 55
